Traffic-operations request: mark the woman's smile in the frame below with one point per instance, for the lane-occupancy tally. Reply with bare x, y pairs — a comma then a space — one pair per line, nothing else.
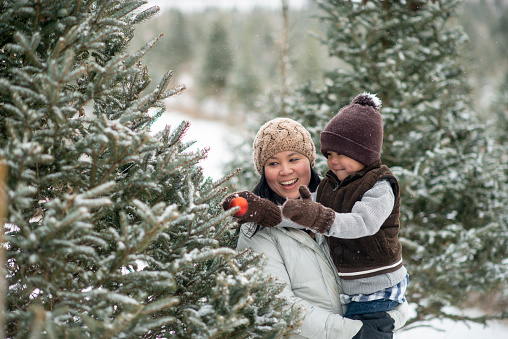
288, 183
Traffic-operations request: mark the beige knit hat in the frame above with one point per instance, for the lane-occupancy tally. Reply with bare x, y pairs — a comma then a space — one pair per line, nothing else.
279, 135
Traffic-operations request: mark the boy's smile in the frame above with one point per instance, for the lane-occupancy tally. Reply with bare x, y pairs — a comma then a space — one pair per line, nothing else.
343, 166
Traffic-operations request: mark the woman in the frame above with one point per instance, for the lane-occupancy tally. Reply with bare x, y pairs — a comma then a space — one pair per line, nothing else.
284, 156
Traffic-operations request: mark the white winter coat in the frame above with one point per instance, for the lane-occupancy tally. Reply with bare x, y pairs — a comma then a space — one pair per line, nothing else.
302, 263
311, 279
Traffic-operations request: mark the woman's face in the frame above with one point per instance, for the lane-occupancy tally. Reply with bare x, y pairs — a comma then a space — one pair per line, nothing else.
286, 171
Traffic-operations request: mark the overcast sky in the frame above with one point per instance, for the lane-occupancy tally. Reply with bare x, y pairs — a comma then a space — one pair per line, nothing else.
237, 4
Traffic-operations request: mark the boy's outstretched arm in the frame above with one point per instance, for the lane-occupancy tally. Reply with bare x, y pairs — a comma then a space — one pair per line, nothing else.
365, 218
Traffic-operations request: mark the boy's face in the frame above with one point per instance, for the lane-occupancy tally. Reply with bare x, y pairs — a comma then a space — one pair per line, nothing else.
342, 166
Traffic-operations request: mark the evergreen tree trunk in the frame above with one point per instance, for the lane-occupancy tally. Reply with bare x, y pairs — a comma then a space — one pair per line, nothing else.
284, 58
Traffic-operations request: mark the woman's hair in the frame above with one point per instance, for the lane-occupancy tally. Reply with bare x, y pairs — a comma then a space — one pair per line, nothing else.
264, 191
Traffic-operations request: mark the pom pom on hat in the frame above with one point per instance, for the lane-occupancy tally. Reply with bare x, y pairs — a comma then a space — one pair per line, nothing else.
356, 131
367, 99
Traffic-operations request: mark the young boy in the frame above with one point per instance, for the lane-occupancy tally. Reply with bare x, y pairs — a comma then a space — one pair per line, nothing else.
357, 208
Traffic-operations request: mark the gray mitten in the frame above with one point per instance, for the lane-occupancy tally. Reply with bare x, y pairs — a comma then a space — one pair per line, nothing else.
260, 211
308, 213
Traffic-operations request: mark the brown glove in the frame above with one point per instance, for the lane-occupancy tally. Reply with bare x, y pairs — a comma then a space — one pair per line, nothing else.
308, 213
261, 211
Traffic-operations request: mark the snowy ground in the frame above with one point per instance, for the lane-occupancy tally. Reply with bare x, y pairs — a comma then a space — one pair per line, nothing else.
447, 329
214, 134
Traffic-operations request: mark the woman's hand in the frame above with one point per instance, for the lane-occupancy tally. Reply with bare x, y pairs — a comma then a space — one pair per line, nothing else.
308, 213
260, 211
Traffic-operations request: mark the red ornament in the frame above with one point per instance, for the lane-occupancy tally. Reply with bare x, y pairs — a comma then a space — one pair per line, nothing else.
242, 203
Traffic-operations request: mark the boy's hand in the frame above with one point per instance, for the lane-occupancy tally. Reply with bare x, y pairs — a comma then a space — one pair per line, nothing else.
261, 211
308, 213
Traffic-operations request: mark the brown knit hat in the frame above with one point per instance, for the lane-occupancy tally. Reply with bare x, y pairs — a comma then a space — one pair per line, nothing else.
279, 135
356, 131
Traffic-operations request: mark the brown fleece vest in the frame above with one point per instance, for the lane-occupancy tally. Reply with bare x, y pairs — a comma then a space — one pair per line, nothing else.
366, 253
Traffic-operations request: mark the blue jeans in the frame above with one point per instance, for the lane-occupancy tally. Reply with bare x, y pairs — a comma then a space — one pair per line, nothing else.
381, 305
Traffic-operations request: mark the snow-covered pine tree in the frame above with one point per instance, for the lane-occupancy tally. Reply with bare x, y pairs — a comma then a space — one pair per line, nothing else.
452, 173
218, 62
111, 232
